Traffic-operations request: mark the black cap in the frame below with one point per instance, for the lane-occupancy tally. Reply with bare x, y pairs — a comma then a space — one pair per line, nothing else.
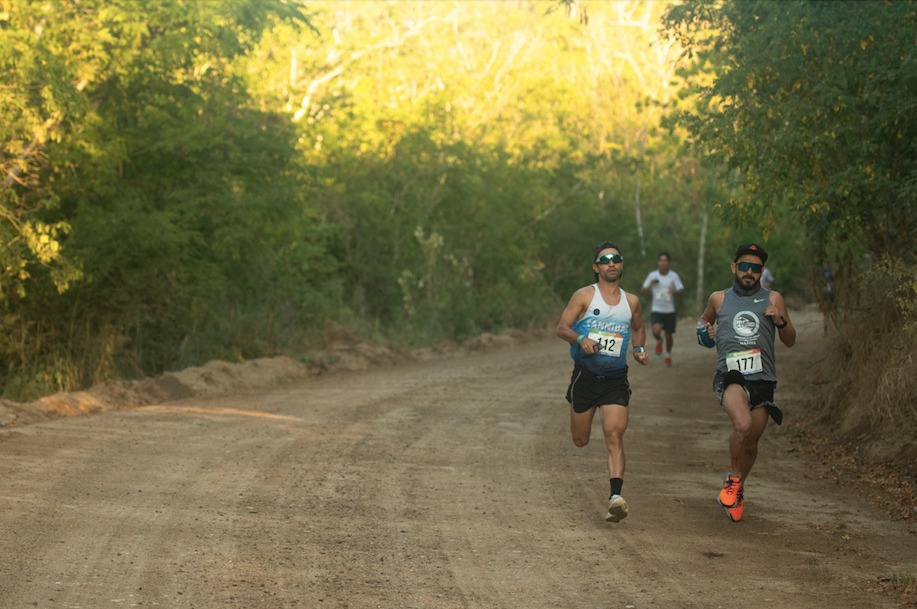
752, 249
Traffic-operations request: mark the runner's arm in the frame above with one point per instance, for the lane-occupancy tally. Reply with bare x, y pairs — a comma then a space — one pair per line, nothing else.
779, 314
708, 317
637, 329
572, 314
648, 283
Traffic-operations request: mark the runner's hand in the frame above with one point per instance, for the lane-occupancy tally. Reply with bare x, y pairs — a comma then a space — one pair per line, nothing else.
773, 312
711, 329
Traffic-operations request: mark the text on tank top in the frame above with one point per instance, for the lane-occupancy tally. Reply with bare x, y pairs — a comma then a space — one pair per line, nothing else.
609, 326
745, 336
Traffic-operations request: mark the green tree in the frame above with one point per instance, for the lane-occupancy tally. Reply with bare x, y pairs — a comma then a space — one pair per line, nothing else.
813, 109
813, 105
181, 198
474, 146
41, 102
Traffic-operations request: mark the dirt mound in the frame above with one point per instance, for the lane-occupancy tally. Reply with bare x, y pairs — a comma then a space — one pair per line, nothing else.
221, 378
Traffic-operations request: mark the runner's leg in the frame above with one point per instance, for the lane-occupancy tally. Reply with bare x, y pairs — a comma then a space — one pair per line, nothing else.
749, 453
614, 424
747, 428
581, 425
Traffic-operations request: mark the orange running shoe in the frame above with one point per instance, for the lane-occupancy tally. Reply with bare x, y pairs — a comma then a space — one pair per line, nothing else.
659, 347
668, 361
732, 489
735, 512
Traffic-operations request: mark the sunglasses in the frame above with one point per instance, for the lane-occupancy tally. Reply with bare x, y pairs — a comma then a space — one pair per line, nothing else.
749, 266
616, 258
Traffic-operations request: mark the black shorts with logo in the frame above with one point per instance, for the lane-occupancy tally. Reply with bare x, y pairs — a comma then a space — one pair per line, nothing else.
587, 390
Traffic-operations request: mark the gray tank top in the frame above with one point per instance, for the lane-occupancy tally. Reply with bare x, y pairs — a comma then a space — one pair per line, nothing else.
745, 337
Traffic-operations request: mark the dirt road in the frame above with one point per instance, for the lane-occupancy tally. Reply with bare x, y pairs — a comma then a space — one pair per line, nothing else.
449, 484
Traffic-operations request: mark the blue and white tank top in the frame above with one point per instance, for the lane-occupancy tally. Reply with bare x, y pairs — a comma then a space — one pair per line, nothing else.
609, 325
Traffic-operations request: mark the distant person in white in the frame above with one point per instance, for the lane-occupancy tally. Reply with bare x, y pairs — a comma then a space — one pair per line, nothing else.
767, 278
664, 284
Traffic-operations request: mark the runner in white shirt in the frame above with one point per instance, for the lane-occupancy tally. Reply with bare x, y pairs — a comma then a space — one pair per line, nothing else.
665, 285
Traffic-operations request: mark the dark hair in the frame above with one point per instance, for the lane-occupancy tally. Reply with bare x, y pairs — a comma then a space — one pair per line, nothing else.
604, 245
666, 254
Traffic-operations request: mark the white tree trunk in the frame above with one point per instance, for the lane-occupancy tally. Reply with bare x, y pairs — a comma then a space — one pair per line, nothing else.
699, 298
639, 219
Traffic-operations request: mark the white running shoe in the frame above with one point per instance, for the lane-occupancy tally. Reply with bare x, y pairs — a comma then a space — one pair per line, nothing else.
617, 509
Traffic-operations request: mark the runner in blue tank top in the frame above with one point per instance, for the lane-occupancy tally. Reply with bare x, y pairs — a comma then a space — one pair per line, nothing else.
601, 322
747, 316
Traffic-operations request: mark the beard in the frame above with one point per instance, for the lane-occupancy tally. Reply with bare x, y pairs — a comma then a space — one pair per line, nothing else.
748, 282
611, 277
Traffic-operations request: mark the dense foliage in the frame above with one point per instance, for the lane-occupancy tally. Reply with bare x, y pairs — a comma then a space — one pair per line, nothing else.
813, 108
152, 210
186, 181
470, 154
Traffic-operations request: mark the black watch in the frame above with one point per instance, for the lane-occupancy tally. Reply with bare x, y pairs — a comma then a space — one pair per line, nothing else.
784, 323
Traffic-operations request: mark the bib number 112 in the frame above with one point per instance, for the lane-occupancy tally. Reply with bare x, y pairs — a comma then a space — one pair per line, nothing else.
609, 342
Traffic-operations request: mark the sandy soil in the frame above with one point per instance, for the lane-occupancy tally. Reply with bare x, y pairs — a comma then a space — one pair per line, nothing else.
448, 481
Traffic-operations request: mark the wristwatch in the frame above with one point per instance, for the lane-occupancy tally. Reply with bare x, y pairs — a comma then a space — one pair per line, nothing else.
784, 323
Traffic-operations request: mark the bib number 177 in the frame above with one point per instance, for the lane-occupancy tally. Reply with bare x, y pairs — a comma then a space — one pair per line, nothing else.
746, 362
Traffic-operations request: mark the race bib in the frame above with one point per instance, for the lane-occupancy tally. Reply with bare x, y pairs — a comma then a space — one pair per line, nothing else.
663, 295
609, 342
746, 362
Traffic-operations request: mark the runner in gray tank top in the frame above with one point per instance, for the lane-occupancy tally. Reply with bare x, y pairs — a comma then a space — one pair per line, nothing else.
741, 322
743, 331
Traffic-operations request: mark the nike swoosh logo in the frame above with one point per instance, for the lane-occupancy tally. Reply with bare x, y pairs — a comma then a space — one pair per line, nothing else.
757, 300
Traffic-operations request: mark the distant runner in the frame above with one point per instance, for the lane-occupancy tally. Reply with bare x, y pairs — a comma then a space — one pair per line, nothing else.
746, 318
665, 285
600, 322
767, 278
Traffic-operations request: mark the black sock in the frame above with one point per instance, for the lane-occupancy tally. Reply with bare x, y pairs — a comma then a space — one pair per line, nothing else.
616, 484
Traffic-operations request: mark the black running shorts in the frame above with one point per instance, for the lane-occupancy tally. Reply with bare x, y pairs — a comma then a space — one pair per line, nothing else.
760, 393
587, 390
666, 320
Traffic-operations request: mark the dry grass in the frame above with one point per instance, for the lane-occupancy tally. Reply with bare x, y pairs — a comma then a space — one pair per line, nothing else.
862, 412
903, 585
